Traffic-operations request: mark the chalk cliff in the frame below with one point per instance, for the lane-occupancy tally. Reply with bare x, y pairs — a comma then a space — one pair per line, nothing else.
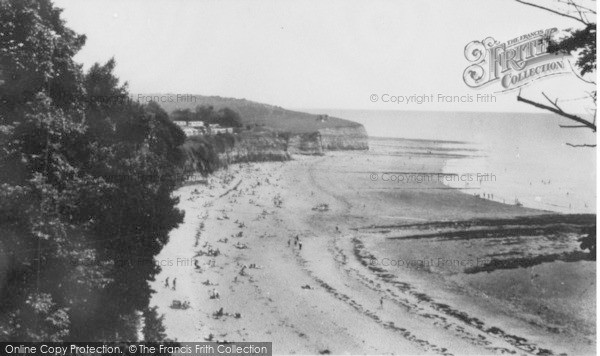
329, 139
344, 138
205, 154
305, 143
256, 147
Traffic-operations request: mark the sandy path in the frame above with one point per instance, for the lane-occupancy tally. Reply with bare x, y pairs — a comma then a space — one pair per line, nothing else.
341, 311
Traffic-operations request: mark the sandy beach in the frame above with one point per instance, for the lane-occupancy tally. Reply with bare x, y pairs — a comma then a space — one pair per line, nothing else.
388, 177
319, 256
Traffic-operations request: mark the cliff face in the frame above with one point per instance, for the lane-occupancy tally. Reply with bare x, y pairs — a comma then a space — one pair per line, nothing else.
344, 138
205, 154
307, 143
256, 147
332, 139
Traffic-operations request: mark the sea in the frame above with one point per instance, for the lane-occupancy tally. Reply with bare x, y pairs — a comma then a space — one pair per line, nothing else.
513, 158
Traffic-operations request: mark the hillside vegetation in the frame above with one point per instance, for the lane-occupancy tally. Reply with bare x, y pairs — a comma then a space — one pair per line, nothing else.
253, 113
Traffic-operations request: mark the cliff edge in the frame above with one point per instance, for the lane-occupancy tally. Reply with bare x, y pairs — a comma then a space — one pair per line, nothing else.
304, 133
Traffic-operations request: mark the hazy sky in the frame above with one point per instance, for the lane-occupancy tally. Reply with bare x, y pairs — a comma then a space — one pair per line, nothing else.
303, 54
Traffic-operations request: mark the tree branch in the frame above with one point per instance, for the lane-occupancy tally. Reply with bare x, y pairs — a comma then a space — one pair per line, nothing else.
558, 111
585, 9
583, 145
555, 102
592, 95
580, 76
581, 16
552, 11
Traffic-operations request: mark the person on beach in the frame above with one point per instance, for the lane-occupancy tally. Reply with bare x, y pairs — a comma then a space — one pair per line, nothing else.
289, 242
300, 245
381, 303
174, 284
167, 282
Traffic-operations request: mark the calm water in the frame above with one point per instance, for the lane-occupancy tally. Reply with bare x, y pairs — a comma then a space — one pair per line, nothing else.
525, 155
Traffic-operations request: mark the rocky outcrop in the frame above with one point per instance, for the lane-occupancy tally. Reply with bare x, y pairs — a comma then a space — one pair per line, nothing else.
256, 147
328, 139
205, 154
306, 143
344, 138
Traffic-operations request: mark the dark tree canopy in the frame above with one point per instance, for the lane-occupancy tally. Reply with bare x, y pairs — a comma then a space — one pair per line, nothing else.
207, 114
582, 42
86, 177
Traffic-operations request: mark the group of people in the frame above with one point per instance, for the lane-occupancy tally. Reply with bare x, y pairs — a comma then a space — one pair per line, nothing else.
297, 242
173, 285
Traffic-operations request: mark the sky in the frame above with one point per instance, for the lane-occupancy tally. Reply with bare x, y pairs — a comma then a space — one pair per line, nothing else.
309, 54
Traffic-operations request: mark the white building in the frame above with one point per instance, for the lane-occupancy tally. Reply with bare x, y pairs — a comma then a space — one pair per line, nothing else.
217, 129
196, 123
191, 131
189, 123
191, 128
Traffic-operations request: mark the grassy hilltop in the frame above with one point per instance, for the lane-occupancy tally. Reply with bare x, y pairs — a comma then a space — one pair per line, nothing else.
253, 113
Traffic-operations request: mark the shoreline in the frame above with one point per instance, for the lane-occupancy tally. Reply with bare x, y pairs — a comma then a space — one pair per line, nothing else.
553, 194
321, 298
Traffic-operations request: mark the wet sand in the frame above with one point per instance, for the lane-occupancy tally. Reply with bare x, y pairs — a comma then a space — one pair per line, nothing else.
337, 294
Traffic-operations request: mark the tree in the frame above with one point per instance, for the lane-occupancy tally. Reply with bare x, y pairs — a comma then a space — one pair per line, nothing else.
229, 118
86, 177
207, 114
154, 330
183, 115
580, 42
35, 52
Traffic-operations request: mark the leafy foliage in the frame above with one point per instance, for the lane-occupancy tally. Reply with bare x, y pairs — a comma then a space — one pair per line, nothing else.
86, 178
224, 117
154, 330
583, 42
